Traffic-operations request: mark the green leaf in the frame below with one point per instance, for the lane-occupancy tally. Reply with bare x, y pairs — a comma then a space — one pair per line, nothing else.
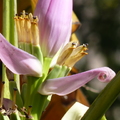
104, 100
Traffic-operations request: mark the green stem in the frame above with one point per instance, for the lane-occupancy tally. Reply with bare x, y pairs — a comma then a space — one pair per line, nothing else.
6, 18
28, 47
46, 66
6, 33
36, 51
104, 100
33, 98
13, 33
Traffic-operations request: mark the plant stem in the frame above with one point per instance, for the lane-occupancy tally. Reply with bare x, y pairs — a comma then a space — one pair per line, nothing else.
34, 99
104, 100
13, 33
6, 20
6, 33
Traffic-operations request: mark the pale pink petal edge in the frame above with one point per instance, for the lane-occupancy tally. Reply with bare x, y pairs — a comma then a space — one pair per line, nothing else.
17, 60
66, 85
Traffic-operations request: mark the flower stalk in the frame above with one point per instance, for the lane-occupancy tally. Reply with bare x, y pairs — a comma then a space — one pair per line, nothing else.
13, 32
6, 18
33, 98
2, 94
6, 33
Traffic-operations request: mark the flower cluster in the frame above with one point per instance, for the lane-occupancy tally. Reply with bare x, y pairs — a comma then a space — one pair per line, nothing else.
50, 30
45, 50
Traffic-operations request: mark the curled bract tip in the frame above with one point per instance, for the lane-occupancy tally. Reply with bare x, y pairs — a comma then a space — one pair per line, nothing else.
65, 85
106, 74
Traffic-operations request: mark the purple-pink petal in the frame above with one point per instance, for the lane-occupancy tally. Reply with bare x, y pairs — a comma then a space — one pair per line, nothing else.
55, 19
17, 60
68, 84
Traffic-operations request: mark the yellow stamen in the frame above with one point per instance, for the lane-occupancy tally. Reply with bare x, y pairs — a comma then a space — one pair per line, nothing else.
27, 28
66, 52
35, 31
71, 54
76, 55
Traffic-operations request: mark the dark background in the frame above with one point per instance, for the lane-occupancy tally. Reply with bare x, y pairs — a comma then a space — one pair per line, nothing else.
100, 28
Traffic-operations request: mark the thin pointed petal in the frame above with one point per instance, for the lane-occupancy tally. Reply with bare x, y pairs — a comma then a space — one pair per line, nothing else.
17, 60
55, 21
66, 85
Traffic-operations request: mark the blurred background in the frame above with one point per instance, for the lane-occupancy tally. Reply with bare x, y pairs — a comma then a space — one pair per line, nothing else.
100, 28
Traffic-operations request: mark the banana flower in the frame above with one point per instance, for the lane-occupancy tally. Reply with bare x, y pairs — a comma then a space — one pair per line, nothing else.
54, 29
21, 62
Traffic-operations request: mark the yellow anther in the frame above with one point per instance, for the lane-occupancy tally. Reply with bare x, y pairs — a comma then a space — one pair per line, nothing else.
27, 28
76, 55
35, 19
71, 54
74, 44
66, 52
30, 17
23, 14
